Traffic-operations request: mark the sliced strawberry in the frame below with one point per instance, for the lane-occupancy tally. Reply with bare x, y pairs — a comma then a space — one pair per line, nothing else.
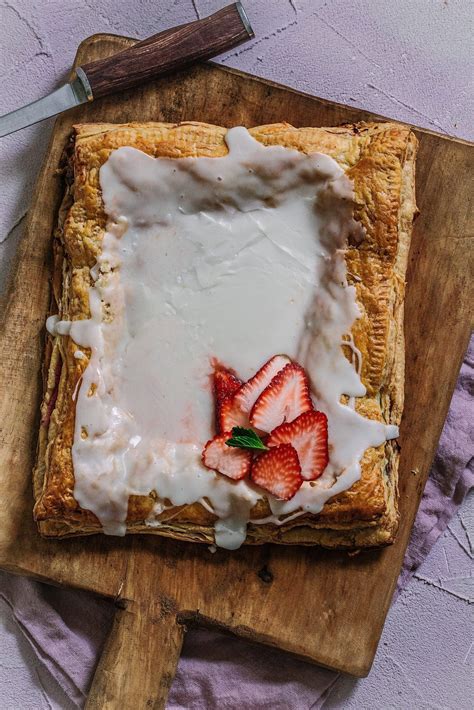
278, 471
237, 412
308, 433
286, 397
230, 415
226, 385
232, 462
251, 390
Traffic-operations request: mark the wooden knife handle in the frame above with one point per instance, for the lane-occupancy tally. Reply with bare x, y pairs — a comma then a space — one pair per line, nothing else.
167, 51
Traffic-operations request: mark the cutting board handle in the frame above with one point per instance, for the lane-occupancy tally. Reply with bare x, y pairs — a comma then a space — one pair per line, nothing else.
140, 657
166, 52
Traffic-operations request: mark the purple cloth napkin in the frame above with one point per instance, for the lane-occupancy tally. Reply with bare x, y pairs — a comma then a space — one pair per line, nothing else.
67, 629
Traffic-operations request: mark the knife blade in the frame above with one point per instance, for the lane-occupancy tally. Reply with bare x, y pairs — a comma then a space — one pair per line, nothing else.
160, 54
67, 96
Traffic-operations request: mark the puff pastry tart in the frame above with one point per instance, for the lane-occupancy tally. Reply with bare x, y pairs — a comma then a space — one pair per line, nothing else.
225, 352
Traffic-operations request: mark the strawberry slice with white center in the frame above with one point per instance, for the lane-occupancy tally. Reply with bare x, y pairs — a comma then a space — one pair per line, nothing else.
236, 411
232, 462
226, 385
286, 397
308, 433
278, 471
230, 415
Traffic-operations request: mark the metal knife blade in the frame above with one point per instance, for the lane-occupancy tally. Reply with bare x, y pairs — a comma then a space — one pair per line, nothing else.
67, 96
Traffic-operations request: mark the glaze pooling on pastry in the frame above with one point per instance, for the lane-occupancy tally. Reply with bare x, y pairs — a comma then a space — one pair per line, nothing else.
232, 258
366, 513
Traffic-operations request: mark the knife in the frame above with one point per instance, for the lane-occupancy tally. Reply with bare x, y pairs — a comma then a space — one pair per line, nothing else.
146, 60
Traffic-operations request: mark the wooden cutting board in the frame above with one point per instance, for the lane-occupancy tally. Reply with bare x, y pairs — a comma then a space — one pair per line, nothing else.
326, 607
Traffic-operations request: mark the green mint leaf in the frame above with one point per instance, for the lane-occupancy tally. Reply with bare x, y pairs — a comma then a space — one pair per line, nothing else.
246, 439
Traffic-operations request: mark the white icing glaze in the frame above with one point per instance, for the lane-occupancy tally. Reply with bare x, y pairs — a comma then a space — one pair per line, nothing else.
235, 258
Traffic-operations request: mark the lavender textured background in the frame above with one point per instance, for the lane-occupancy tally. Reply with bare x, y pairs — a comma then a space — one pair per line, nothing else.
410, 60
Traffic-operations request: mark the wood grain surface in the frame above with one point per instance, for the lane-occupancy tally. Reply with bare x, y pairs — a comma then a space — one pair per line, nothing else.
326, 607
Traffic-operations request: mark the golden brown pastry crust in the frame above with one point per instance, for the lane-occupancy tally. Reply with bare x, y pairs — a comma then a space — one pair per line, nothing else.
379, 158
